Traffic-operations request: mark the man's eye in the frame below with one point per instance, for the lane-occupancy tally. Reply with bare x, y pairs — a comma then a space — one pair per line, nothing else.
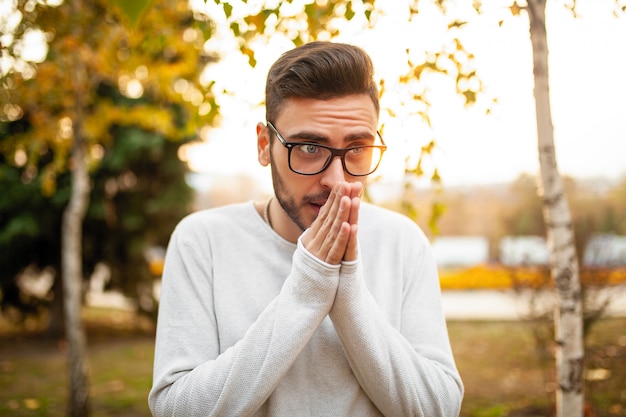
356, 151
308, 148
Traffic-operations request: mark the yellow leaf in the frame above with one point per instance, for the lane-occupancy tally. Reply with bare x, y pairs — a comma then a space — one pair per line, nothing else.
31, 403
515, 9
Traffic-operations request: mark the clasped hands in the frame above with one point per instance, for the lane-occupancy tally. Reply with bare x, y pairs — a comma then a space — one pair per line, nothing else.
332, 237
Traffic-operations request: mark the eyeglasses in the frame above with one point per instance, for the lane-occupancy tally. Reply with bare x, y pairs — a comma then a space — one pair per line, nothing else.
307, 158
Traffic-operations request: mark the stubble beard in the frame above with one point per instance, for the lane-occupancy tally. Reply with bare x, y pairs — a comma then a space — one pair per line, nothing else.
290, 206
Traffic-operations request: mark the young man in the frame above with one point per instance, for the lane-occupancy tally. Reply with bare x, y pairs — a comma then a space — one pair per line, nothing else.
313, 303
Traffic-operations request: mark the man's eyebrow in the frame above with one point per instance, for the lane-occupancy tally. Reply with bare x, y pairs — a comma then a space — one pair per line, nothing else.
317, 138
309, 137
360, 136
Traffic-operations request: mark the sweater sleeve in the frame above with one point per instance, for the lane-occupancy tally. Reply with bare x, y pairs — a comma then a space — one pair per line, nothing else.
191, 376
406, 371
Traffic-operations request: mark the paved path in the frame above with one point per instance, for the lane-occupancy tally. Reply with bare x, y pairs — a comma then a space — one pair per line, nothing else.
457, 305
506, 305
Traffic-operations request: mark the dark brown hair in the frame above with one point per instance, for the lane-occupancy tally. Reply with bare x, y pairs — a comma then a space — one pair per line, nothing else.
319, 70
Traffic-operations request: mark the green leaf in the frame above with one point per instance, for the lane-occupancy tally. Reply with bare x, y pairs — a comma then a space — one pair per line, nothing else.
234, 27
132, 9
228, 10
349, 12
437, 211
24, 225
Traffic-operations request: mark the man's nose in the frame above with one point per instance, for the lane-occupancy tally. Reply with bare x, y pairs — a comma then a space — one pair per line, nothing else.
333, 173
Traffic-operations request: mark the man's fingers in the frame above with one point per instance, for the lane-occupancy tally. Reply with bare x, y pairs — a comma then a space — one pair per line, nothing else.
352, 246
337, 249
355, 189
354, 210
331, 237
333, 224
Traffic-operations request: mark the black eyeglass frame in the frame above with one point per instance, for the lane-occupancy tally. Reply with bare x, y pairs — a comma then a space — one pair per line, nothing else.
334, 152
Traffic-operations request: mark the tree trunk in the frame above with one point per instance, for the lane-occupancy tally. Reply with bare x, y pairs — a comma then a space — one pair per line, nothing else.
560, 235
71, 241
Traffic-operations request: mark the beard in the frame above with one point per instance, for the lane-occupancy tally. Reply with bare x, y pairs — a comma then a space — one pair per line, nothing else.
290, 206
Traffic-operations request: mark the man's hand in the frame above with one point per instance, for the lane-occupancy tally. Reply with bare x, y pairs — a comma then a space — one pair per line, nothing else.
355, 198
333, 235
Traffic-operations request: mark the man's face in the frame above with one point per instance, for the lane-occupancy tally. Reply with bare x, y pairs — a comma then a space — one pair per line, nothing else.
339, 123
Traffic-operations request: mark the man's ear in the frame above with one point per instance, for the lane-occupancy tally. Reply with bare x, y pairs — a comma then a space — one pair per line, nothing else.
263, 144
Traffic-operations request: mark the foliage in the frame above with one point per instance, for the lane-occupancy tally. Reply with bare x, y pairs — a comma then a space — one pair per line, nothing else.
525, 217
138, 195
160, 60
30, 228
143, 99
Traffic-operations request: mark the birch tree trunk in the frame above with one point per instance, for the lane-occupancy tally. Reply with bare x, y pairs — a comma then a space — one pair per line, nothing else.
560, 235
71, 264
71, 241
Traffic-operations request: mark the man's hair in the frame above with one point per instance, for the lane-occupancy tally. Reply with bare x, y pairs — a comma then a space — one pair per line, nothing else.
319, 70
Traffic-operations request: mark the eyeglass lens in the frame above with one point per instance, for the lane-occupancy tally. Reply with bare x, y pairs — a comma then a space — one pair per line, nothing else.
311, 159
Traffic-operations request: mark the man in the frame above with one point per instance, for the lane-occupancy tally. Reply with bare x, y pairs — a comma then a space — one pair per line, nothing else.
312, 304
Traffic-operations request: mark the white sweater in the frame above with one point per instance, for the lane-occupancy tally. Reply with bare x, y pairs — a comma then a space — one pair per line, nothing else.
253, 325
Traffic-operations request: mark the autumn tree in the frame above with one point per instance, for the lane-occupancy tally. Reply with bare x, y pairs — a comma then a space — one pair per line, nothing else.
138, 194
91, 48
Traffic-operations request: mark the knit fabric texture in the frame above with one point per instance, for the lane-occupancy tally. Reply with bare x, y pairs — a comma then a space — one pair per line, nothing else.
253, 325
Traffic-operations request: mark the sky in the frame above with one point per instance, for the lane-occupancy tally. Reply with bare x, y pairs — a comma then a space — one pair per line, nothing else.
588, 97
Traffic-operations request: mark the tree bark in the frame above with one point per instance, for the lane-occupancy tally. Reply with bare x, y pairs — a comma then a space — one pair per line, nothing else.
71, 243
560, 235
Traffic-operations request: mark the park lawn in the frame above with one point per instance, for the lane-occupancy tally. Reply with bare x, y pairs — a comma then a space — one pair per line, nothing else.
33, 369
497, 360
504, 375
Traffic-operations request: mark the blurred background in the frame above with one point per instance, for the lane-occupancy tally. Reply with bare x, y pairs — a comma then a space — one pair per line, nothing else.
157, 102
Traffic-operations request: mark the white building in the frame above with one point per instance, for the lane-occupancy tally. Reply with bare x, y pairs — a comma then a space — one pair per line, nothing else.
524, 250
458, 251
605, 250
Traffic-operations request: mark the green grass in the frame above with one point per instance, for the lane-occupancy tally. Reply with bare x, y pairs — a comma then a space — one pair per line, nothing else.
504, 374
33, 377
33, 369
501, 370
